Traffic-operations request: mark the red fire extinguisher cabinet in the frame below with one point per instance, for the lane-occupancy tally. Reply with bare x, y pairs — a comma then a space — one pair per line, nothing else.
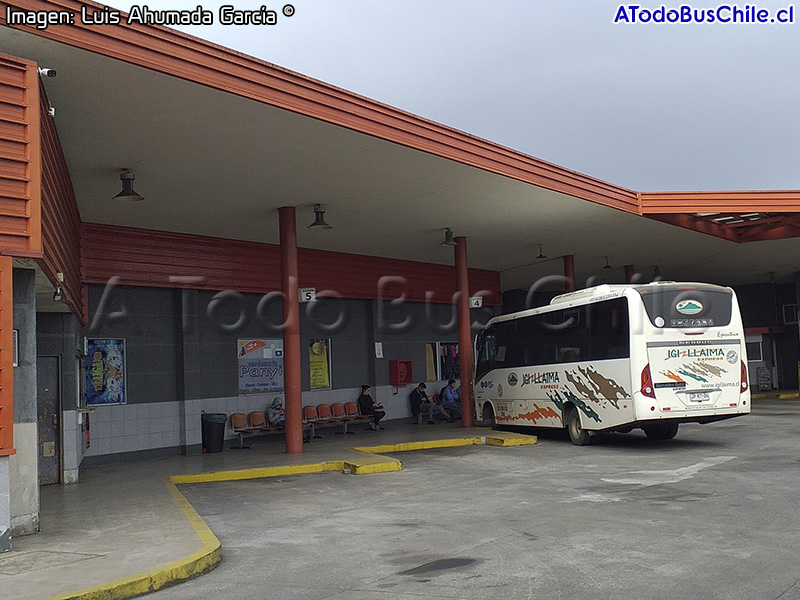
400, 372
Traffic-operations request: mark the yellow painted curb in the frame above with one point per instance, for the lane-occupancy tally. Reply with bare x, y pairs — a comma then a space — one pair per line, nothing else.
258, 473
774, 396
504, 439
426, 445
193, 565
370, 467
205, 559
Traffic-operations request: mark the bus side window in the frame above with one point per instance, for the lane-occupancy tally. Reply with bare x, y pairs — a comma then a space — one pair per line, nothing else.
490, 347
487, 352
530, 339
572, 336
509, 346
609, 336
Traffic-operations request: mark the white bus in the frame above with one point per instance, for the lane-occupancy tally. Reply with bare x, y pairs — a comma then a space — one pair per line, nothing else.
614, 358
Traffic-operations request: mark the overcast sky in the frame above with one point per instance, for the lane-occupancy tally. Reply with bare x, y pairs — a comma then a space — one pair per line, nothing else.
648, 106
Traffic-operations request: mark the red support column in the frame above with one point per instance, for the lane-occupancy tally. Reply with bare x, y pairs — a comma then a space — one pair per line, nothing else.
569, 273
464, 333
291, 331
629, 273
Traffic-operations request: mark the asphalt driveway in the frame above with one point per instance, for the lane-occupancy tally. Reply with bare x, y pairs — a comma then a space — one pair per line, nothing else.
710, 514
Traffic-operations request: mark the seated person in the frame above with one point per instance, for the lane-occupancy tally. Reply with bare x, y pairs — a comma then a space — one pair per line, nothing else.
451, 399
368, 406
420, 403
276, 416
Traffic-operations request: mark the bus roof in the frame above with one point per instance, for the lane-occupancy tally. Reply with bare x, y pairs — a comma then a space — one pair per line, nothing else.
605, 292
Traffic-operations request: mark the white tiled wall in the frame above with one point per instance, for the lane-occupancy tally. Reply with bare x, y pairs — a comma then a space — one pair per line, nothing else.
5, 502
134, 427
72, 445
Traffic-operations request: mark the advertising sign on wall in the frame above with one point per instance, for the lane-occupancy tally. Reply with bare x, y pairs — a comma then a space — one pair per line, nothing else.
260, 365
104, 369
319, 357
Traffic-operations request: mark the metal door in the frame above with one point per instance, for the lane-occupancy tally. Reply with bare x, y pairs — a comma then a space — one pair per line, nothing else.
48, 399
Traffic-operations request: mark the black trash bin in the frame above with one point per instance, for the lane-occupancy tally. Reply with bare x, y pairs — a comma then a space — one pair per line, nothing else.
213, 431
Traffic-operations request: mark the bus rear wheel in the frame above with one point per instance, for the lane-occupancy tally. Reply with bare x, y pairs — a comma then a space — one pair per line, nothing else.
577, 434
661, 431
488, 416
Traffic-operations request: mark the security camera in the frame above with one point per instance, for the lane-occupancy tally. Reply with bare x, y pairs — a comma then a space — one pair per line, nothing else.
47, 72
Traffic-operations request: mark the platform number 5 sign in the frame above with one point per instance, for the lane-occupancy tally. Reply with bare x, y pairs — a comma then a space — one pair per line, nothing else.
307, 294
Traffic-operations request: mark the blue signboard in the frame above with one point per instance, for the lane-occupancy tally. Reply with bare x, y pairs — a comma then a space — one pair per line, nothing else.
104, 369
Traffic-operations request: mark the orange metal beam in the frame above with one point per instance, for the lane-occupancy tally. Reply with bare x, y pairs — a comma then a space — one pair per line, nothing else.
773, 228
769, 201
691, 222
6, 357
778, 231
745, 223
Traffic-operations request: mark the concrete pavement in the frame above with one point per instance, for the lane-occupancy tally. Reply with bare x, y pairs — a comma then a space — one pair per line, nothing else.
709, 515
126, 529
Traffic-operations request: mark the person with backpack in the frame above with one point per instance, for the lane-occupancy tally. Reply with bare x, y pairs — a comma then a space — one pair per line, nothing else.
450, 398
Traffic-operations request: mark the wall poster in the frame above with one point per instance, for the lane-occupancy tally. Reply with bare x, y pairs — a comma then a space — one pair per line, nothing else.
260, 365
104, 372
319, 359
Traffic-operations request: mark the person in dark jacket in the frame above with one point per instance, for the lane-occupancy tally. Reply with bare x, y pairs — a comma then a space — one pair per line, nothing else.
368, 406
420, 403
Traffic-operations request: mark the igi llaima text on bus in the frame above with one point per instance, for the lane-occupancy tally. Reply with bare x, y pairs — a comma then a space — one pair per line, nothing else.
143, 15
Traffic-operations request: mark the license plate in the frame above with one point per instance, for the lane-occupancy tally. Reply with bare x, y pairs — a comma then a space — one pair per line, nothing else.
698, 396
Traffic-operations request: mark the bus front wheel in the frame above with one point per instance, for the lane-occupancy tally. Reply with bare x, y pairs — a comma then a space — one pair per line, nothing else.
577, 434
488, 416
661, 431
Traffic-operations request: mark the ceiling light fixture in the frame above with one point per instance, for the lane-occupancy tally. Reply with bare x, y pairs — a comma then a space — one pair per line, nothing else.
57, 294
128, 193
319, 218
449, 240
540, 252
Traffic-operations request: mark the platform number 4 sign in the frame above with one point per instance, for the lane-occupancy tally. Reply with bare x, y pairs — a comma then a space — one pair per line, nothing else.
476, 302
307, 294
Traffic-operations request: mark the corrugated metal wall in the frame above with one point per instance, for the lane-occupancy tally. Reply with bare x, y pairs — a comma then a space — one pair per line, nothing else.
149, 258
20, 233
61, 222
160, 259
20, 167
